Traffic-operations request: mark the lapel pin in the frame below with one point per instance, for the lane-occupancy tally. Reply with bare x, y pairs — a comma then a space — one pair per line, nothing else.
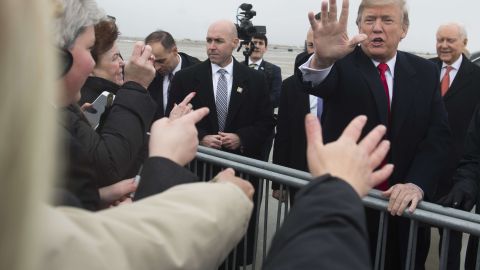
239, 90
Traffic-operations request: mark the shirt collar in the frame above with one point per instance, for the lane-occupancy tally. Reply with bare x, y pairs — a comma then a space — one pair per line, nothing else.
390, 63
228, 68
179, 65
258, 63
456, 64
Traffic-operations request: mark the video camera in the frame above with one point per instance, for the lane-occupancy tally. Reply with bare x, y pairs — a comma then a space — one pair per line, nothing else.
246, 30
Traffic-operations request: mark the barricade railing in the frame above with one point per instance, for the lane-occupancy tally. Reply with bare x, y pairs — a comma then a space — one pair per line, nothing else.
208, 161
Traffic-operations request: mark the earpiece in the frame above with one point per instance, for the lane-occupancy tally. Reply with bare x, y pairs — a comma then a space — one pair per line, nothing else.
66, 61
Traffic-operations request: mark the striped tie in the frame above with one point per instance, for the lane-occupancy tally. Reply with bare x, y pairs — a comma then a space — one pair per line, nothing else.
221, 101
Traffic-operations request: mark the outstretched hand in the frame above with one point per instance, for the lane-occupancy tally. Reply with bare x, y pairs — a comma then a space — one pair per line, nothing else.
228, 176
140, 66
345, 158
330, 36
183, 108
176, 139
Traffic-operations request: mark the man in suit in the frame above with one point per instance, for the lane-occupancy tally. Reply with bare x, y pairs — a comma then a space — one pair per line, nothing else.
390, 87
465, 191
167, 62
272, 72
241, 115
460, 88
290, 140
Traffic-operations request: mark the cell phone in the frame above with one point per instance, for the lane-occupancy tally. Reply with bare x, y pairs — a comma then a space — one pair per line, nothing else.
103, 101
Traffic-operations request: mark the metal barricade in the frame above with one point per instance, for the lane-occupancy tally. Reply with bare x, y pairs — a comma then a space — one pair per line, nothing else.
271, 212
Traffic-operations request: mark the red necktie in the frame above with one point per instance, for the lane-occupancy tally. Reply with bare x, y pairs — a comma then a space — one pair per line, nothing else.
445, 83
382, 67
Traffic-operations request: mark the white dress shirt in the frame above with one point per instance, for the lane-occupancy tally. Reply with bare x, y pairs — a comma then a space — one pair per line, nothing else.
455, 67
216, 77
166, 82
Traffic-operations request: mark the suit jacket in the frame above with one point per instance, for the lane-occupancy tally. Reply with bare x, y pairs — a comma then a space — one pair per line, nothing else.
460, 101
156, 86
325, 229
250, 114
190, 226
418, 131
290, 141
274, 80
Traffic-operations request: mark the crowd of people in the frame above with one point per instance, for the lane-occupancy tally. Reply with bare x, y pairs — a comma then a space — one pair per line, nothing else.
358, 113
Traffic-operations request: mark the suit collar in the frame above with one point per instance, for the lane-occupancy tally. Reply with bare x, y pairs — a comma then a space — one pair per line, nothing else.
239, 90
204, 83
370, 73
237, 95
461, 79
404, 87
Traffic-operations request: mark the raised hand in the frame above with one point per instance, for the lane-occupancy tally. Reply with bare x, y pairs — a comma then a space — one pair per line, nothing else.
140, 66
345, 158
183, 108
176, 139
330, 36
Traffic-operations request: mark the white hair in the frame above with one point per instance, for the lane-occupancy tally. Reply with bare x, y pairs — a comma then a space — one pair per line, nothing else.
462, 31
76, 16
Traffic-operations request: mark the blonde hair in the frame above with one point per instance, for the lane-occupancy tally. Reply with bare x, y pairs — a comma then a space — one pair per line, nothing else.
375, 3
28, 133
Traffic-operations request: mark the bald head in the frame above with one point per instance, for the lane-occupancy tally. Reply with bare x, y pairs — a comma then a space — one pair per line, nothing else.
222, 39
224, 26
451, 42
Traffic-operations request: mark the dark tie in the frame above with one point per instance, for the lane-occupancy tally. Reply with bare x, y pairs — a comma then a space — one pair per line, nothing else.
382, 67
170, 77
445, 83
221, 101
319, 108
254, 66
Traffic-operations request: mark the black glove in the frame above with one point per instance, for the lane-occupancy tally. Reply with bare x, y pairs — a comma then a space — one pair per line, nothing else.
462, 196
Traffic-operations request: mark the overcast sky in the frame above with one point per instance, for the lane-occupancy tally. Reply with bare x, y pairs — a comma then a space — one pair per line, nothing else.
286, 20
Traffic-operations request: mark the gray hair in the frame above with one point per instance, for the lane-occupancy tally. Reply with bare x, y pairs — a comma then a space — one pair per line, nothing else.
462, 31
76, 16
375, 3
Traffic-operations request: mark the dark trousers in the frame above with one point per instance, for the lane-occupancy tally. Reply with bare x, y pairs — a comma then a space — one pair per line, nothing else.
471, 256
454, 248
397, 241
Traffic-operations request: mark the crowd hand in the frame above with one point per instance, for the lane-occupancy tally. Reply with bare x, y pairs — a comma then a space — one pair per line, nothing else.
279, 195
330, 36
140, 66
122, 201
402, 195
111, 195
228, 176
86, 106
345, 158
230, 141
212, 141
460, 197
183, 108
176, 139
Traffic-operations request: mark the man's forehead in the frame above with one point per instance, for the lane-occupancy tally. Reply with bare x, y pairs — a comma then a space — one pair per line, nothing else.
385, 10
